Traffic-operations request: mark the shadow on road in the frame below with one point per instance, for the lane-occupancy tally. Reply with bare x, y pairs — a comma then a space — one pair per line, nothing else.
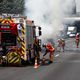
46, 62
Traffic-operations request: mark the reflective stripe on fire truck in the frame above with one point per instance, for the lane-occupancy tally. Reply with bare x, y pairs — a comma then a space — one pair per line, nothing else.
13, 58
23, 44
19, 44
7, 21
23, 31
18, 39
1, 20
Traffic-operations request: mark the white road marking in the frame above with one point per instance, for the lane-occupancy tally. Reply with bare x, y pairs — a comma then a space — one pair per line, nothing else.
57, 55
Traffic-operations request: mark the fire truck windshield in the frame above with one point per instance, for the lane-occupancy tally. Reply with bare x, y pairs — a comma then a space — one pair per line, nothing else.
8, 39
8, 35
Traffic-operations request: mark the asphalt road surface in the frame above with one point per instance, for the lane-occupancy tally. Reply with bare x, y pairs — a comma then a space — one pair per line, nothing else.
66, 66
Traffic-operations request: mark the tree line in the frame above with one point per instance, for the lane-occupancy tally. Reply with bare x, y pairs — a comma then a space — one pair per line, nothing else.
12, 6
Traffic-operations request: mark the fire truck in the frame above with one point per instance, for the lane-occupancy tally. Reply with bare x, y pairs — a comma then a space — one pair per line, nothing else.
17, 35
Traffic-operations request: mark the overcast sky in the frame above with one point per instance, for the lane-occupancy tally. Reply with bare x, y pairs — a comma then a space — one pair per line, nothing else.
78, 5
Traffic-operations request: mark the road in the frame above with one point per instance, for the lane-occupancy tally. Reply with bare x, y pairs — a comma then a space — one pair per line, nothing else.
66, 66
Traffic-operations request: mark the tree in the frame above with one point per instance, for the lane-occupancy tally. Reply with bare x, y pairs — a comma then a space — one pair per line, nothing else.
12, 6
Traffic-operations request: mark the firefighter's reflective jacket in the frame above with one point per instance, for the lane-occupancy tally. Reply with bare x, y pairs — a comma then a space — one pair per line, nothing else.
49, 47
77, 37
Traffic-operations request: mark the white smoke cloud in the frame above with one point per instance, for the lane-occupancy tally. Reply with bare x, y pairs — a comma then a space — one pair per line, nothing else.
78, 5
49, 14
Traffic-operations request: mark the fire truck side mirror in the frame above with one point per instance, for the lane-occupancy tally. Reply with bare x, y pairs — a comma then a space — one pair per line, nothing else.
39, 28
40, 32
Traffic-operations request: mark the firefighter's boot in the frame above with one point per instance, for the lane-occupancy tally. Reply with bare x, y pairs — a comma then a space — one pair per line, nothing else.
51, 58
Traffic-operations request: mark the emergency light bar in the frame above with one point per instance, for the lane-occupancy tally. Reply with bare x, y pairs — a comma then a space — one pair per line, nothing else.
4, 15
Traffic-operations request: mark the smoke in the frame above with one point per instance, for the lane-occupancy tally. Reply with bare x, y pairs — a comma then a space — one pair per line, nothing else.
78, 5
49, 14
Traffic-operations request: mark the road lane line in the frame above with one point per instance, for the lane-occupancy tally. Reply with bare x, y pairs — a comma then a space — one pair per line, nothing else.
57, 55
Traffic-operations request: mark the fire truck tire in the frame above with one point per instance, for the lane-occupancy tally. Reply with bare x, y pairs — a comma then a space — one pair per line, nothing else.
23, 62
4, 61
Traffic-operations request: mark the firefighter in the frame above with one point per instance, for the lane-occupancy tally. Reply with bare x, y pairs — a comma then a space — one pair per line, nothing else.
59, 44
77, 39
36, 48
63, 44
49, 49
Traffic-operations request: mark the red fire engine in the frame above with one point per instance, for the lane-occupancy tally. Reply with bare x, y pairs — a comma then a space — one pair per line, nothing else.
16, 39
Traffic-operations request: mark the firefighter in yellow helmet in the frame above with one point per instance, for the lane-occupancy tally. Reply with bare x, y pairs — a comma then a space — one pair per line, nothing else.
61, 44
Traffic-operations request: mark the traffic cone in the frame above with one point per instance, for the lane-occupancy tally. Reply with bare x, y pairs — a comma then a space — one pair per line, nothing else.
36, 64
